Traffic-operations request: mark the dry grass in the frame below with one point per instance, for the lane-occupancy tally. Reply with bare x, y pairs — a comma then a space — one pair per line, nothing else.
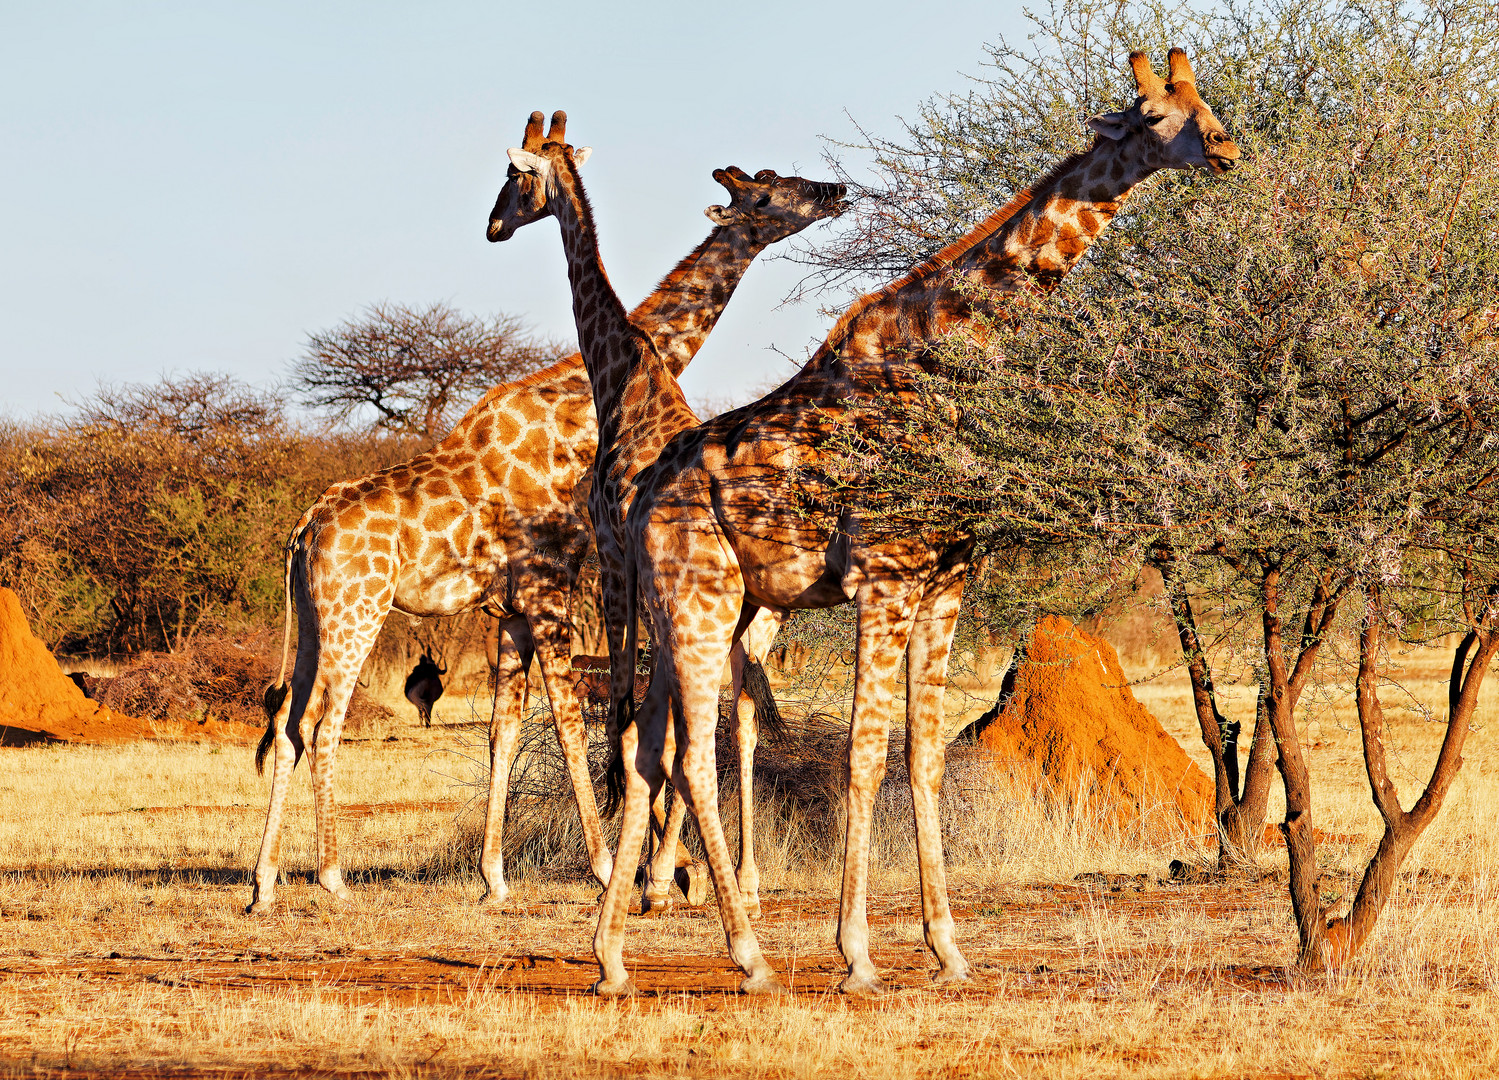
123, 947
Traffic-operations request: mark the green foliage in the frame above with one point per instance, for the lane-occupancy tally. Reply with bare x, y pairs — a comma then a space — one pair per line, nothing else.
1291, 372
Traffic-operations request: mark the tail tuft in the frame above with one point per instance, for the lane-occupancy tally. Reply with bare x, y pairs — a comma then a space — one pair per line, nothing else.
767, 713
614, 772
274, 695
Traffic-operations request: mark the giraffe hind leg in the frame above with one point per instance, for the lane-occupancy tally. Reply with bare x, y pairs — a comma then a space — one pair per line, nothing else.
338, 670
512, 662
305, 695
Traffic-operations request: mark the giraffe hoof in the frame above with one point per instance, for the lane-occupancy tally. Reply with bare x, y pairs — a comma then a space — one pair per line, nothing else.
260, 907
751, 905
622, 988
653, 905
494, 897
765, 984
951, 976
866, 986
696, 887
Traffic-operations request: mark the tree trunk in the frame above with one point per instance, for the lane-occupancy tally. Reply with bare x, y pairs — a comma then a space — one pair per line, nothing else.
1242, 825
1283, 691
1240, 812
1345, 936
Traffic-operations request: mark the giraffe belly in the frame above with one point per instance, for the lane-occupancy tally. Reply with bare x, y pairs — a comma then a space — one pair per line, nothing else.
449, 593
809, 571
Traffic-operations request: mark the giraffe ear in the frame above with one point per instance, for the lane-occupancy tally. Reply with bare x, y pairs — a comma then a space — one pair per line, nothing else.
1111, 125
582, 154
721, 215
527, 162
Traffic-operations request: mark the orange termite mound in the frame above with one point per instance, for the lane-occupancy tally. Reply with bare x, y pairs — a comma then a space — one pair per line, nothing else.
1072, 716
38, 703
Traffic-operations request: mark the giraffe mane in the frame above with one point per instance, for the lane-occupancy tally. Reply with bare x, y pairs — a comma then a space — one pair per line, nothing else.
953, 251
684, 265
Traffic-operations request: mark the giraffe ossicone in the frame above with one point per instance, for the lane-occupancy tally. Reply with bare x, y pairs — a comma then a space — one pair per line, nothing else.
734, 516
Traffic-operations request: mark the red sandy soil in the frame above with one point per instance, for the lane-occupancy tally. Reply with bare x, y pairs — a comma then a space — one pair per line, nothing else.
996, 940
1072, 713
38, 703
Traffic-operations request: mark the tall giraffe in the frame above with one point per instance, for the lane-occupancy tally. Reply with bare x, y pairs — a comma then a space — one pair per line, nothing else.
640, 406
491, 517
733, 518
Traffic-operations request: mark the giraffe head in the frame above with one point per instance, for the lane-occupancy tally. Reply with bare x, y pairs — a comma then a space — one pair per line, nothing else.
775, 206
1168, 126
523, 199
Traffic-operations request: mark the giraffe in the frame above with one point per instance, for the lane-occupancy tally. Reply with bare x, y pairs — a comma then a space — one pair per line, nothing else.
733, 517
492, 517
640, 406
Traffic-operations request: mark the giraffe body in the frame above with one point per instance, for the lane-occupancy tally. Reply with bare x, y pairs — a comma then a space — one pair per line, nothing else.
734, 517
640, 406
492, 517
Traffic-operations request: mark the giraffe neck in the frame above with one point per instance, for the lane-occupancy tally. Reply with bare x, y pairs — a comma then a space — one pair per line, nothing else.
688, 301
609, 342
1068, 209
1027, 246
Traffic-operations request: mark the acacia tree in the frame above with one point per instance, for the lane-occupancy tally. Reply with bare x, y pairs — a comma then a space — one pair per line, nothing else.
414, 368
1283, 391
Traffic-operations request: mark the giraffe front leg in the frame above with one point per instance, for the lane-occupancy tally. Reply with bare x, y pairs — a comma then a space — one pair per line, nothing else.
512, 661
926, 679
882, 631
746, 736
925, 684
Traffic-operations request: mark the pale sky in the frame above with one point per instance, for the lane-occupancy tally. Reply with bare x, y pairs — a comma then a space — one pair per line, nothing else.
199, 186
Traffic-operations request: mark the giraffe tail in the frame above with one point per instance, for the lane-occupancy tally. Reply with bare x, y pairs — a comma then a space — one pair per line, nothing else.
275, 694
622, 714
767, 713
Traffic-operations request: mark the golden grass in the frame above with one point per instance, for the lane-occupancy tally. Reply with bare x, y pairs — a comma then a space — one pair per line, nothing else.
123, 946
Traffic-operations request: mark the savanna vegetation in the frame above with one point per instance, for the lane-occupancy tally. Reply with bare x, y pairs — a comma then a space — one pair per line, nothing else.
1281, 390
154, 514
1278, 390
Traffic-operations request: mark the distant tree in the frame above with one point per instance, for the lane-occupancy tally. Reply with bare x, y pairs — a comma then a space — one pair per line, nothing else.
415, 370
1282, 390
199, 406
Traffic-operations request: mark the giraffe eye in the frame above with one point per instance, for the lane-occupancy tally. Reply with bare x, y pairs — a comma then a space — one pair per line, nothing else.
1154, 120
762, 202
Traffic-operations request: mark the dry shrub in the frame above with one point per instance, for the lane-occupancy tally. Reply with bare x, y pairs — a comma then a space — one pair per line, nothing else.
236, 673
542, 833
1004, 822
366, 718
157, 686
221, 678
